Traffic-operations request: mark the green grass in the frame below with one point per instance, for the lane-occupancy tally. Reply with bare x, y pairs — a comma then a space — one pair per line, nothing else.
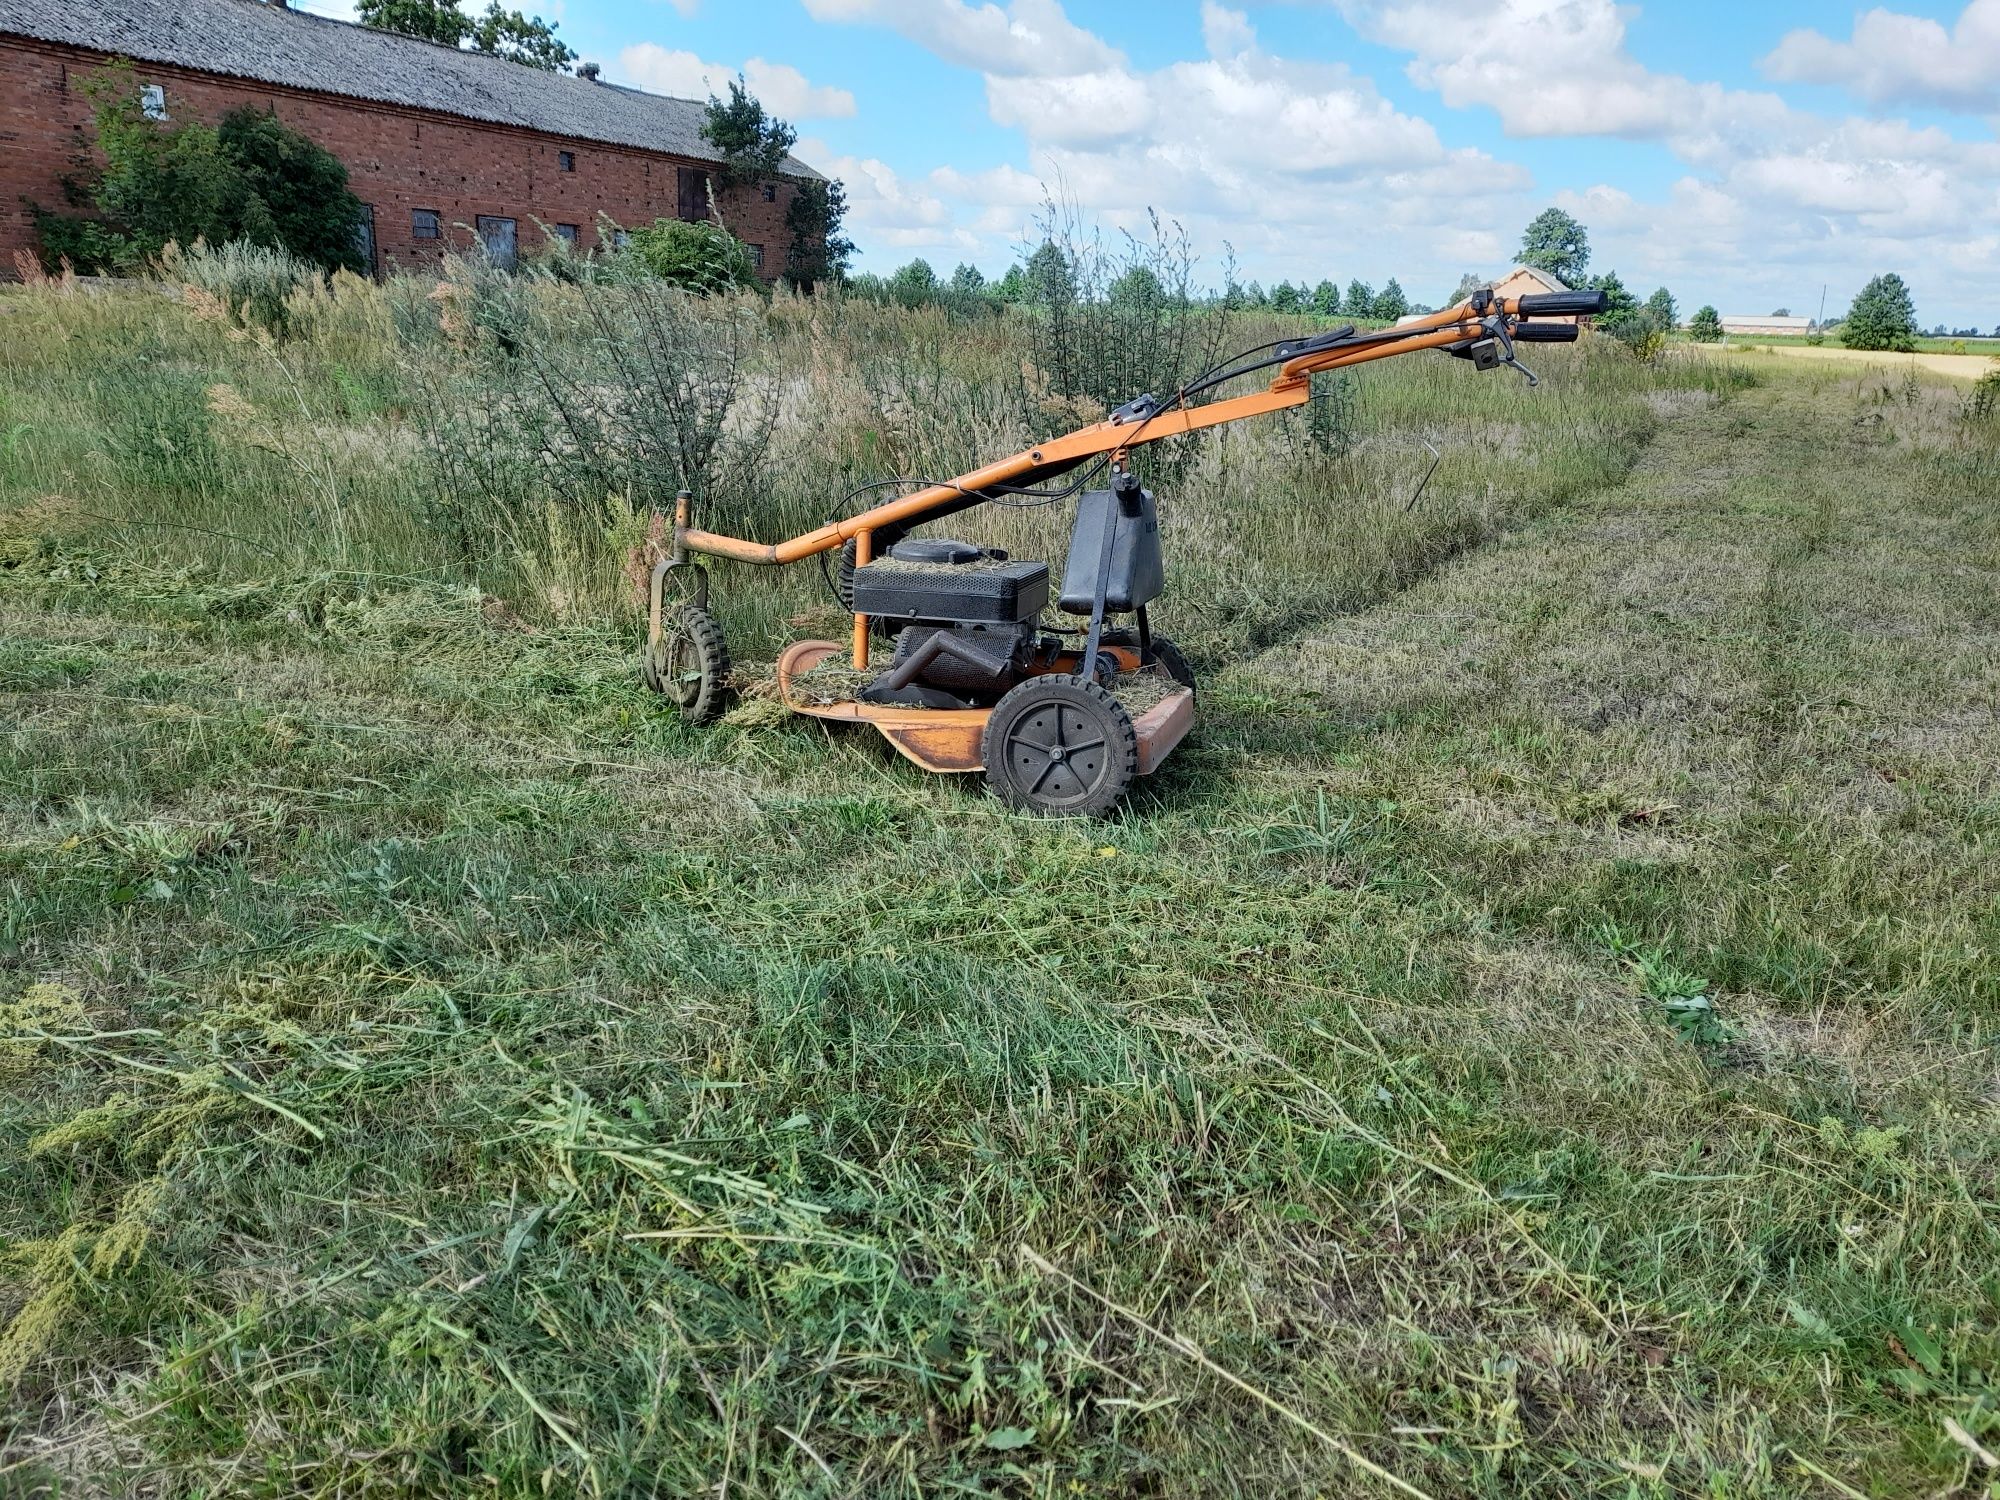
1536, 1038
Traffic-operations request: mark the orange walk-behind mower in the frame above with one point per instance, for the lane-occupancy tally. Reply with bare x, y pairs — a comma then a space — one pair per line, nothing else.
1060, 720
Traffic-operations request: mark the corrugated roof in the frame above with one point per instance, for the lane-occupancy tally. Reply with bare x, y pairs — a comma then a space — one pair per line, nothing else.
271, 44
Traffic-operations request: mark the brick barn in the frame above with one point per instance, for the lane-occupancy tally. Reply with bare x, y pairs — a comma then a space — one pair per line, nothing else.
445, 147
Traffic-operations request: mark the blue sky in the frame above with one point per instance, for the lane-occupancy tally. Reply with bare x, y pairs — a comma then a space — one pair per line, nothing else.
1745, 154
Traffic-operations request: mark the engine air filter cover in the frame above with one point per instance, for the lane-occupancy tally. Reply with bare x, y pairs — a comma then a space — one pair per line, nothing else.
937, 549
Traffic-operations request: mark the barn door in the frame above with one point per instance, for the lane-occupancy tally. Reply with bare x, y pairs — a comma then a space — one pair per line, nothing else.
694, 194
497, 235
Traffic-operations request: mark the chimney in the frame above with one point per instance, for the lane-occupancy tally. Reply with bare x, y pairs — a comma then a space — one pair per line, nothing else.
588, 72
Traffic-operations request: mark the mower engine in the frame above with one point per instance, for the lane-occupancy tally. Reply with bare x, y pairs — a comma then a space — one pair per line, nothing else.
964, 620
965, 617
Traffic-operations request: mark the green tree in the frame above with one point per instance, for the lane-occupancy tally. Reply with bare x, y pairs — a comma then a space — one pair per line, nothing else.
1012, 286
1618, 302
914, 284
1884, 316
1390, 303
968, 281
1137, 287
820, 250
1360, 301
1705, 327
1285, 298
530, 41
753, 144
1555, 242
250, 178
1326, 300
1664, 310
1469, 283
697, 257
1050, 275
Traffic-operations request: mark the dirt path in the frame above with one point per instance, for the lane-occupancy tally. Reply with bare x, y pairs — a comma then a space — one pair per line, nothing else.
1959, 366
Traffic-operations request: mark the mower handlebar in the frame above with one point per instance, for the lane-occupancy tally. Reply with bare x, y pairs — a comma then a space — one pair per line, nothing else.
1546, 333
1562, 304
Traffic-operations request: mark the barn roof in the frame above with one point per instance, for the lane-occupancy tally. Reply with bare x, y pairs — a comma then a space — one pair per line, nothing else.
273, 44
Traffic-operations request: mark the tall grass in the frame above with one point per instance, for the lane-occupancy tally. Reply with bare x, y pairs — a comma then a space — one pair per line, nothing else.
514, 434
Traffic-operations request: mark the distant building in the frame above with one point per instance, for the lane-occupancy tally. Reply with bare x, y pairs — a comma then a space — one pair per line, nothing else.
1737, 323
1525, 281
446, 148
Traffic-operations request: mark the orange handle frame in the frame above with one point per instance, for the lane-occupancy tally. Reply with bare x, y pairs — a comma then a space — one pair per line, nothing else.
1292, 386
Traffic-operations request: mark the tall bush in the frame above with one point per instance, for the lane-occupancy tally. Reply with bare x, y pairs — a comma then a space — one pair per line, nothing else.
1108, 323
617, 391
251, 178
703, 258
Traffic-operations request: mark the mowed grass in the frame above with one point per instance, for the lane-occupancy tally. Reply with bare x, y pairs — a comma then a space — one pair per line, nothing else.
1537, 1038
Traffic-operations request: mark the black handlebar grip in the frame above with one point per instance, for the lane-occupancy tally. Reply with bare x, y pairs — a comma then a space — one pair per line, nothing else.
1546, 333
1563, 304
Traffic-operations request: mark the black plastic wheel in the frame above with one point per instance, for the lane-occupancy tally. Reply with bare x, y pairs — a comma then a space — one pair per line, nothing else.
1165, 654
690, 666
1060, 746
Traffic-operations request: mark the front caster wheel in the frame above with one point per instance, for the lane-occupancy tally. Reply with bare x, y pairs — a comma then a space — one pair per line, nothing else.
1060, 746
690, 665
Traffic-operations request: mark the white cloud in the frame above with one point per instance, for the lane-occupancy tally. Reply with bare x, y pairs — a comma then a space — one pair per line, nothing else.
1308, 171
1302, 167
1777, 196
1025, 39
782, 89
885, 210
1896, 58
1225, 32
1557, 68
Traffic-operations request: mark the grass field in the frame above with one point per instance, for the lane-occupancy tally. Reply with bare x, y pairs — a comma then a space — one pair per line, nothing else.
1536, 1039
1973, 367
1925, 345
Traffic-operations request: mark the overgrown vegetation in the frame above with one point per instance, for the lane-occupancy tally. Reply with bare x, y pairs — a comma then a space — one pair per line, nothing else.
1535, 1040
694, 256
250, 178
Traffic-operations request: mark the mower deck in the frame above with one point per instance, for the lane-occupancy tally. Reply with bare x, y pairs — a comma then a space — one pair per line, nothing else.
948, 739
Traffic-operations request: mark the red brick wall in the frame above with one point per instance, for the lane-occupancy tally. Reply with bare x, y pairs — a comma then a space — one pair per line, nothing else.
398, 160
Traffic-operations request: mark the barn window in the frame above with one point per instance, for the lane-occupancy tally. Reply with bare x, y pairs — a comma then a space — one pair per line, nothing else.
423, 224
153, 101
569, 232
566, 161
757, 256
770, 192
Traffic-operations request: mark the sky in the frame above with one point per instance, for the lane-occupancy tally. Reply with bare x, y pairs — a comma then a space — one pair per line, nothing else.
1750, 154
